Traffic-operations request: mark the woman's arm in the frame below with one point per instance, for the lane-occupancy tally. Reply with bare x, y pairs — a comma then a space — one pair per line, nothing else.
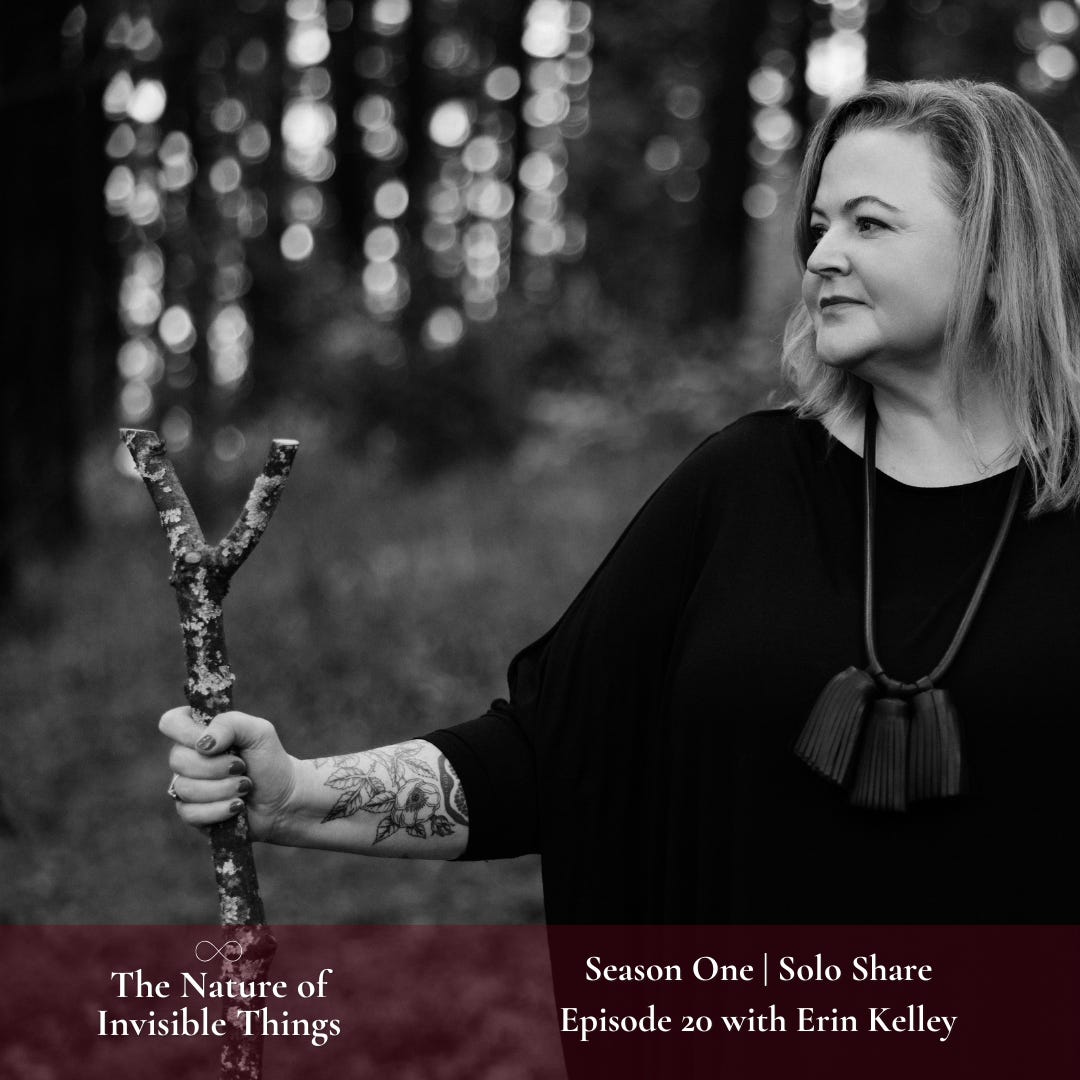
400, 801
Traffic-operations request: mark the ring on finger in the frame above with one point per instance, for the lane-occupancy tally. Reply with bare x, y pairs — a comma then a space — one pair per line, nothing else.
171, 791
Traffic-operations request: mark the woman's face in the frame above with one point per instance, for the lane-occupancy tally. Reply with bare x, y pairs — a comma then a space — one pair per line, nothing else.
886, 255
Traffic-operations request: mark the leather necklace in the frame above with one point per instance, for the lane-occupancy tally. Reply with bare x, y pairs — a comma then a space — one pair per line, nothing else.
888, 742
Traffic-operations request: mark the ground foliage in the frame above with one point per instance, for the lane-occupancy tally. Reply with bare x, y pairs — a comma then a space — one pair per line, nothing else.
374, 610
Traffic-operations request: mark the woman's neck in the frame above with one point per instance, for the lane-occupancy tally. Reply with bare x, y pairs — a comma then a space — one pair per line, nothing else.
927, 443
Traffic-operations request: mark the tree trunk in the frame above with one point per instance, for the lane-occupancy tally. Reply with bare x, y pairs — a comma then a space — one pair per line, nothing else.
718, 279
43, 104
886, 30
350, 176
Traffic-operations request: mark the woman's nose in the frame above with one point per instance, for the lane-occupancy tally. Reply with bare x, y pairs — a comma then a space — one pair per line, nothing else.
828, 255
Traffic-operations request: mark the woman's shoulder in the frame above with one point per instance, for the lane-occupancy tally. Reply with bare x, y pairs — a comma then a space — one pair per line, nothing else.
760, 439
757, 456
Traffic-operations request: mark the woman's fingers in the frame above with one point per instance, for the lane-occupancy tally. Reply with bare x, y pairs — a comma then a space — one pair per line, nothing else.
236, 730
218, 767
192, 756
180, 726
209, 813
187, 762
210, 791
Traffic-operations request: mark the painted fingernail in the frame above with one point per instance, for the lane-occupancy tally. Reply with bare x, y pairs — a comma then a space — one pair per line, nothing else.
207, 742
244, 786
237, 767
236, 806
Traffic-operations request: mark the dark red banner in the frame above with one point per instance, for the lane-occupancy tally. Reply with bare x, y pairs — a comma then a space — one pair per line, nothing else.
471, 1002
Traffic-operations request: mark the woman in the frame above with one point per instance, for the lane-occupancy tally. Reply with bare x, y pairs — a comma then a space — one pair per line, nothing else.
646, 748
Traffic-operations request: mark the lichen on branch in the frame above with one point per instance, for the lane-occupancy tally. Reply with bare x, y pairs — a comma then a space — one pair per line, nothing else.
200, 575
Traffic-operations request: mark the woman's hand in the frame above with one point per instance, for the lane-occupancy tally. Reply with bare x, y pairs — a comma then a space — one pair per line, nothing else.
403, 800
235, 759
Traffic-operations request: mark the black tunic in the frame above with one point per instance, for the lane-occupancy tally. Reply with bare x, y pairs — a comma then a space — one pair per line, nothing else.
646, 747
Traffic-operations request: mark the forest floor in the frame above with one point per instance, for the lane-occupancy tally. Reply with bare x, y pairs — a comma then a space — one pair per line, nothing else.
372, 611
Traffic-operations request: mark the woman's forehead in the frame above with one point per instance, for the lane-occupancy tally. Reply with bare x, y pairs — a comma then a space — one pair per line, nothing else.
881, 163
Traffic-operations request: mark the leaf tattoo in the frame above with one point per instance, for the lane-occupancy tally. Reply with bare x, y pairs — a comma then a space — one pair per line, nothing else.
386, 828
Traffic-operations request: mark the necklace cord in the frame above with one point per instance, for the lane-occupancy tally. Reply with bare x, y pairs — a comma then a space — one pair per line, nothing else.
874, 668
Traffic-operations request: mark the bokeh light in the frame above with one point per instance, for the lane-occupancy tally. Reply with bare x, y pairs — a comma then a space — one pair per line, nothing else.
683, 186
176, 329
307, 126
768, 86
760, 200
390, 16
391, 199
253, 56
225, 175
1057, 62
663, 153
176, 428
121, 142
297, 242
537, 171
147, 100
140, 303
373, 112
228, 115
308, 42
254, 142
481, 154
382, 243
489, 199
685, 101
136, 401
306, 204
138, 358
547, 32
776, 129
117, 94
502, 83
450, 123
836, 65
443, 328
1059, 18
229, 443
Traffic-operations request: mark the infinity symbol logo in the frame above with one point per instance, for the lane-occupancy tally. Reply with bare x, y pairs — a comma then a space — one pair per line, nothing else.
230, 952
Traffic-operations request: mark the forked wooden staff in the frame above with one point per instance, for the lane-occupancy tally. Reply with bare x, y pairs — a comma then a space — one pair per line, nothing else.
200, 576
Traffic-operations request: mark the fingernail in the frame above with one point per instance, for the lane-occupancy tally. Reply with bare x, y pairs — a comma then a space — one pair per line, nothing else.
244, 786
236, 806
237, 767
207, 742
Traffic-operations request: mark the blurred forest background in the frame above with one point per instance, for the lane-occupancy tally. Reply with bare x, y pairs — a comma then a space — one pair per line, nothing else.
497, 266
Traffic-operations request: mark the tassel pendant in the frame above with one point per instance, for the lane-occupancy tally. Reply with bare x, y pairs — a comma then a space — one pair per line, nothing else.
910, 747
903, 751
881, 772
935, 764
831, 733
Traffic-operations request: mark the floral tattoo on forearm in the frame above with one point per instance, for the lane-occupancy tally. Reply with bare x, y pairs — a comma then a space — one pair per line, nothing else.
398, 784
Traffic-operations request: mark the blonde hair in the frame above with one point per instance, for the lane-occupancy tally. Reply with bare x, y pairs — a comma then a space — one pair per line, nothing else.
1016, 191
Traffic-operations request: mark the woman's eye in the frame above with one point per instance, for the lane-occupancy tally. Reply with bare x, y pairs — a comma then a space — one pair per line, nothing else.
816, 232
866, 224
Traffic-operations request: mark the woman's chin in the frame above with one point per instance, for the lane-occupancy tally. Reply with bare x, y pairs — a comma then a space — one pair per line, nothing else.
839, 360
